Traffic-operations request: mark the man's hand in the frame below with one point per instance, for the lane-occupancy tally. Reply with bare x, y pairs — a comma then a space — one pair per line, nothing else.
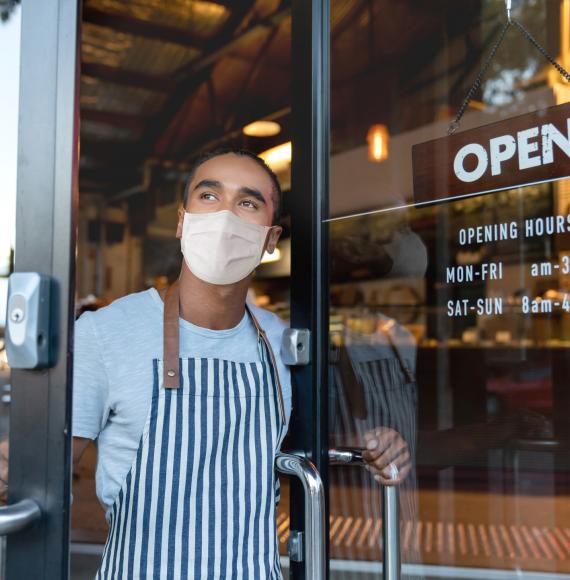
386, 452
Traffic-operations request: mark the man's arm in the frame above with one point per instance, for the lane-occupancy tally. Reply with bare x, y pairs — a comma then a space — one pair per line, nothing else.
79, 446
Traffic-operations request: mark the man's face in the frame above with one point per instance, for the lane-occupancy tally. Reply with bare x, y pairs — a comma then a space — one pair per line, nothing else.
234, 183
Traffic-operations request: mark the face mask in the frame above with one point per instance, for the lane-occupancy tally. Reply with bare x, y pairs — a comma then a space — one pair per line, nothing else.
221, 248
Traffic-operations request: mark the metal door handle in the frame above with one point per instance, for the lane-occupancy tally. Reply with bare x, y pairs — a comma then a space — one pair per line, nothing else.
314, 544
391, 567
18, 516
346, 455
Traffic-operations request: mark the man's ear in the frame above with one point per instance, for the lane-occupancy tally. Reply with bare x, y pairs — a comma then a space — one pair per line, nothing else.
273, 238
181, 213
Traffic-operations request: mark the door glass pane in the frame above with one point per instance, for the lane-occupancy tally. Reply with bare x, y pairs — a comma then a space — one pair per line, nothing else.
457, 343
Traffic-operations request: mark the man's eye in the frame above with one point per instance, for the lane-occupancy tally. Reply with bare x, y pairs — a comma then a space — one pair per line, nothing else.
207, 195
249, 203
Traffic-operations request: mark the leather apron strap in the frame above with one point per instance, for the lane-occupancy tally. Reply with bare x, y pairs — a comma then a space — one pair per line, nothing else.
171, 347
171, 337
261, 334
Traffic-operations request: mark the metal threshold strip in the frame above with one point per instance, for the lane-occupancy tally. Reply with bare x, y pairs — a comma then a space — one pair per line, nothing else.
362, 567
433, 572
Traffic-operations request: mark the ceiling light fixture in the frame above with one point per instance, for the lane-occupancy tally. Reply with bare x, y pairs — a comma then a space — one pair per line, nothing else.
262, 129
278, 158
378, 139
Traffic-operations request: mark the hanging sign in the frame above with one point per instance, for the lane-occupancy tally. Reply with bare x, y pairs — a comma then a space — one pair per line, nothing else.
523, 150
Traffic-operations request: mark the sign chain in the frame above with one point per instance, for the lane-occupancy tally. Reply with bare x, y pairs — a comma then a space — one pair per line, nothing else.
454, 125
542, 50
475, 86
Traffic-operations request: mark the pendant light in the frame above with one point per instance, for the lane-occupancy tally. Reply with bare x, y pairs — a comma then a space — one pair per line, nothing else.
378, 142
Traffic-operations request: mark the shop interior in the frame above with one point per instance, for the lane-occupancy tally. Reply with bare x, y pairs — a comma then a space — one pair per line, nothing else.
485, 408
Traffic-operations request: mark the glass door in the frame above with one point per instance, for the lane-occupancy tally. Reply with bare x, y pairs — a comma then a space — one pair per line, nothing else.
39, 316
449, 322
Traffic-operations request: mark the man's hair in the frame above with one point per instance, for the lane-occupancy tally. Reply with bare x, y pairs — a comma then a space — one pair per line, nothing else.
240, 153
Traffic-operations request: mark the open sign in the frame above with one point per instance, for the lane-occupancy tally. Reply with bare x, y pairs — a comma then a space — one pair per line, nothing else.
528, 149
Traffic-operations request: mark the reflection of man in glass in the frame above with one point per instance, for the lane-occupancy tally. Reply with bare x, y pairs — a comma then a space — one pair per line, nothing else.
373, 387
377, 294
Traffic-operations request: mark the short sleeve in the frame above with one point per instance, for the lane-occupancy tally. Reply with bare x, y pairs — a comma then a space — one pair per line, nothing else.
90, 384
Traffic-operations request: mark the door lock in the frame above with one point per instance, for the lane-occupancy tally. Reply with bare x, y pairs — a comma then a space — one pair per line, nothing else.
28, 322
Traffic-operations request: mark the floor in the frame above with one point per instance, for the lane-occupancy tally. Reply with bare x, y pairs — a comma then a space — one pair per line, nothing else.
84, 566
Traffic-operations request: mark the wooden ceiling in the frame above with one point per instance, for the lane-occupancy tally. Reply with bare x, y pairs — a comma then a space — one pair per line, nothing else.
161, 81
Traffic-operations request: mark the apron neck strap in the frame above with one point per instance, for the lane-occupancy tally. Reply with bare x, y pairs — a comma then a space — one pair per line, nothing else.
263, 336
171, 352
171, 347
256, 324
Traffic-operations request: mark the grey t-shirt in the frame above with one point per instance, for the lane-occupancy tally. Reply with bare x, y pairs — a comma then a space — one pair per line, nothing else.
113, 373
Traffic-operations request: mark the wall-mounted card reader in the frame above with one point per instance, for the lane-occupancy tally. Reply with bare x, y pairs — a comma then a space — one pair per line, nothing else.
28, 328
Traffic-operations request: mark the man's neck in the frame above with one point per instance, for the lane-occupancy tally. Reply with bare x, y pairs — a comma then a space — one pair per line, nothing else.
211, 305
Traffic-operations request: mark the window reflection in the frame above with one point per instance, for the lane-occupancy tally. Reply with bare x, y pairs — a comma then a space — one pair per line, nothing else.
373, 389
483, 406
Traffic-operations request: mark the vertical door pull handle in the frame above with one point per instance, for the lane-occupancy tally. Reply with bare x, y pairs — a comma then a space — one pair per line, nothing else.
391, 568
314, 533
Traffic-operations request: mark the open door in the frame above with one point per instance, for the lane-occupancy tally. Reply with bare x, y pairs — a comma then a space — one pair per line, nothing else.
40, 309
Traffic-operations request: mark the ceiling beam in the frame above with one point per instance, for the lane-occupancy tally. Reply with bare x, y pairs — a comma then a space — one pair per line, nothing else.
193, 75
122, 120
111, 176
112, 151
120, 76
218, 52
252, 75
103, 175
138, 27
130, 152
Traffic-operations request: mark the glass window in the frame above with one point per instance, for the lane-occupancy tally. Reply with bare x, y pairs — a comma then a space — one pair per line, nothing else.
450, 323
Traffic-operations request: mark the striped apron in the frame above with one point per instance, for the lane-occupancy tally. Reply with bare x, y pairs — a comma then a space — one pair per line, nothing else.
200, 498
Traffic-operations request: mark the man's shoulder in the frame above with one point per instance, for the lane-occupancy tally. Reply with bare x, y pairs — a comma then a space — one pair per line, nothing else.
273, 326
129, 308
268, 320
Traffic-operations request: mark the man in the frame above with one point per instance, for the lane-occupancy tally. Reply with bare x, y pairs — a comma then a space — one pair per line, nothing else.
187, 396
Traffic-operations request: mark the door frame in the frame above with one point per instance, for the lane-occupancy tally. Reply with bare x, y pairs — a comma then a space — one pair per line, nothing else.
308, 205
46, 204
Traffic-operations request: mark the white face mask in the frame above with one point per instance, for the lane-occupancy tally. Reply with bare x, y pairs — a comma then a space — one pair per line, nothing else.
220, 247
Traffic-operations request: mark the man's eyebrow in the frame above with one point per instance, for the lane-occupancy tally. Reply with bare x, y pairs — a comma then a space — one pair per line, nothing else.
253, 192
208, 183
244, 189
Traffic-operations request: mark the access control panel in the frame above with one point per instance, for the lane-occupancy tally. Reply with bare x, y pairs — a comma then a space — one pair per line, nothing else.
28, 321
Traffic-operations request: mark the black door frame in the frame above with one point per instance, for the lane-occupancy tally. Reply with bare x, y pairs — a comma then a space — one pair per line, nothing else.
309, 249
40, 411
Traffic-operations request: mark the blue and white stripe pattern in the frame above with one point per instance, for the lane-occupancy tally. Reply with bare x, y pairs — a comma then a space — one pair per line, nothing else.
200, 498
